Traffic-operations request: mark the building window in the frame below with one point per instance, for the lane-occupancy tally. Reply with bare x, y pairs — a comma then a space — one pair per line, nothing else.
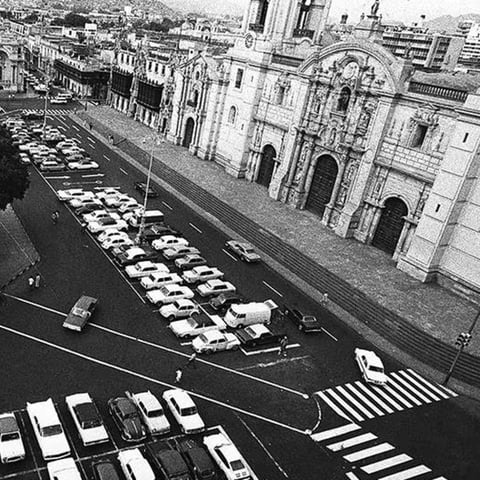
163, 69
156, 68
419, 136
262, 12
280, 98
343, 99
232, 115
239, 78
303, 14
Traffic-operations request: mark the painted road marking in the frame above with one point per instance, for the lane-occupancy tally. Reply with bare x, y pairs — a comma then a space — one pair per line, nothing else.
106, 158
406, 474
388, 463
409, 387
352, 442
357, 404
64, 177
167, 205
334, 432
93, 175
395, 394
90, 139
333, 337
75, 128
271, 288
229, 254
123, 171
150, 379
269, 350
195, 228
30, 447
436, 388
345, 405
38, 305
91, 146
364, 399
379, 401
368, 452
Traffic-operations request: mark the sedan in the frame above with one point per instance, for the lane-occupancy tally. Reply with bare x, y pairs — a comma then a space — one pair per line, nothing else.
111, 233
142, 187
105, 223
71, 193
108, 192
215, 341
169, 294
258, 335
116, 241
24, 159
11, 443
201, 274
80, 200
305, 323
99, 214
168, 241
215, 287
132, 204
126, 417
179, 251
116, 201
184, 411
158, 230
83, 165
65, 469
151, 412
129, 255
222, 302
105, 470
143, 269
244, 250
80, 313
51, 166
190, 261
371, 366
89, 207
158, 280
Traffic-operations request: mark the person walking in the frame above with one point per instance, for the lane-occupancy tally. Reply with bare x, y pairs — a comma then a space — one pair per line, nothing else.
192, 360
178, 375
37, 280
31, 283
324, 300
283, 347
54, 218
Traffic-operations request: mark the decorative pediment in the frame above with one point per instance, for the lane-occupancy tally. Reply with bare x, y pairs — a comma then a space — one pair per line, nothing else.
283, 81
426, 114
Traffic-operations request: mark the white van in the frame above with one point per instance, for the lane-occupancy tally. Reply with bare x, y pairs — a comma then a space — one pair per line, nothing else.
151, 216
241, 315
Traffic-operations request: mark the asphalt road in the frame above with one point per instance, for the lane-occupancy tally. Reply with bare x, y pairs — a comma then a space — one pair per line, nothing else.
264, 402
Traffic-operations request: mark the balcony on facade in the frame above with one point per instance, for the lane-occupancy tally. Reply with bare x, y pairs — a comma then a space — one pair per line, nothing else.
302, 33
454, 94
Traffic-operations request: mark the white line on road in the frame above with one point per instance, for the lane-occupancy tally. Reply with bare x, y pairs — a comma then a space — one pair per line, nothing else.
29, 444
149, 379
269, 350
43, 307
324, 330
106, 158
123, 171
64, 177
61, 121
90, 139
74, 127
93, 175
92, 146
167, 205
229, 254
271, 288
195, 227
61, 127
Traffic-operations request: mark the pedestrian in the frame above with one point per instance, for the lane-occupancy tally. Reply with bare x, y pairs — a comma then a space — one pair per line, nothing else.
90, 126
57, 215
37, 280
54, 218
324, 300
192, 360
283, 346
110, 138
31, 282
178, 375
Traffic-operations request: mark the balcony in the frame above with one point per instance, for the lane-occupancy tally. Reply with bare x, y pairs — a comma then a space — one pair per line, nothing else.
191, 103
303, 32
437, 91
256, 27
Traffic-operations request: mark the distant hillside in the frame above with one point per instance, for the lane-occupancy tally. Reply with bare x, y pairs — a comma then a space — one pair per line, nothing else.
447, 23
220, 7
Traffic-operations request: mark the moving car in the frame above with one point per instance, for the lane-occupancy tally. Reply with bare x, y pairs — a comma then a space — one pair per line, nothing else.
11, 443
168, 461
258, 335
169, 293
127, 419
215, 341
88, 421
65, 469
142, 187
105, 470
197, 324
184, 411
371, 366
305, 323
190, 261
143, 269
179, 251
134, 465
80, 313
104, 223
24, 159
178, 309
215, 287
157, 280
48, 430
227, 457
168, 241
244, 250
151, 412
222, 302
198, 460
201, 274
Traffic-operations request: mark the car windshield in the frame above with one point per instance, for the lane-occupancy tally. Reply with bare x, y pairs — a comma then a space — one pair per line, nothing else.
51, 430
203, 338
80, 312
376, 369
237, 465
7, 437
155, 413
310, 319
249, 250
250, 331
189, 411
191, 322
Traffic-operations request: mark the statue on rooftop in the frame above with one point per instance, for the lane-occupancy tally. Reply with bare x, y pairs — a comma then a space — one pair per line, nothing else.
375, 7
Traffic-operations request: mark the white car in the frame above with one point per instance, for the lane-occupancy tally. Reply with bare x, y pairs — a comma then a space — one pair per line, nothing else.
65, 469
88, 421
178, 309
98, 214
184, 411
59, 100
67, 144
108, 192
179, 251
157, 280
168, 241
215, 287
196, 325
151, 412
78, 202
169, 293
48, 430
71, 193
371, 366
71, 150
134, 465
110, 233
83, 165
227, 457
201, 274
129, 206
24, 158
27, 146
215, 341
142, 269
11, 444
105, 223
116, 201
117, 241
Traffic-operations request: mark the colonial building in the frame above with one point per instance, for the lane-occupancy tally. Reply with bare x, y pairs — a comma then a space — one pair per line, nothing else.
12, 63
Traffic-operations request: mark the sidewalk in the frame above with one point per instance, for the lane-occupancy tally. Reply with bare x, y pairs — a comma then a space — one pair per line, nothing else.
432, 309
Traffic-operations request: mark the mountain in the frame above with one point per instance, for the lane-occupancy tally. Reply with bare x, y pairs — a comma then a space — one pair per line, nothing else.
216, 7
448, 23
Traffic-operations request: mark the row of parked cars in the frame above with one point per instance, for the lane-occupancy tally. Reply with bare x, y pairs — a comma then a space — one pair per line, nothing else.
136, 415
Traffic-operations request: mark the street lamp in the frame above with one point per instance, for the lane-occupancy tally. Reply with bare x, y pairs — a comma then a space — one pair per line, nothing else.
45, 105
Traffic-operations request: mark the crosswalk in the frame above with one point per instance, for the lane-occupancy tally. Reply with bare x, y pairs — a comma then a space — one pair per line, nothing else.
405, 389
365, 452
51, 112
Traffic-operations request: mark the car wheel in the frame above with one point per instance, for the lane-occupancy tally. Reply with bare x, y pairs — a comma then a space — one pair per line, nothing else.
235, 347
171, 318
253, 344
240, 326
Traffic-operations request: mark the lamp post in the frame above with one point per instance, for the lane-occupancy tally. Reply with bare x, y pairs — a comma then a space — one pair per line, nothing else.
45, 105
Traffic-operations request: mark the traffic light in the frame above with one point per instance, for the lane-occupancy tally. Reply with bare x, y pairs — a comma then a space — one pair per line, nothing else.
463, 340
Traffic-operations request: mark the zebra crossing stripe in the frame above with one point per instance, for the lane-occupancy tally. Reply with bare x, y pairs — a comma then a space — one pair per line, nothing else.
351, 476
345, 405
409, 387
419, 385
380, 392
365, 400
335, 432
333, 406
435, 388
357, 404
397, 396
368, 452
351, 442
373, 396
387, 463
406, 474
404, 392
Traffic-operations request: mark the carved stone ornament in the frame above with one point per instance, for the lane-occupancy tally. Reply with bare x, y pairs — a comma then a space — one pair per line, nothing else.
283, 81
426, 115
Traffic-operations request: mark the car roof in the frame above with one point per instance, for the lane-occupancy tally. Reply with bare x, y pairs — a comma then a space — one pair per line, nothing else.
106, 470
258, 328
215, 282
85, 301
8, 423
149, 400
125, 405
182, 398
213, 335
86, 412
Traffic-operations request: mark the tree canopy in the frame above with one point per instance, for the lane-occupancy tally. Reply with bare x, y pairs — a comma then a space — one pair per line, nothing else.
14, 179
71, 20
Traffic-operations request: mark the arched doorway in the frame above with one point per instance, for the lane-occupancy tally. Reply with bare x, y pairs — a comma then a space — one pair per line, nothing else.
322, 185
267, 165
390, 225
188, 135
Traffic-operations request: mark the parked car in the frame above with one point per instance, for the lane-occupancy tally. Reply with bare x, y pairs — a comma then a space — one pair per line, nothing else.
215, 341
197, 324
65, 469
168, 460
198, 460
127, 419
111, 233
215, 287
201, 274
244, 250
48, 430
83, 165
158, 230
257, 335
222, 302
151, 412
79, 201
116, 201
11, 443
178, 309
87, 419
190, 261
105, 223
158, 280
98, 215
184, 411
108, 192
71, 193
117, 241
142, 187
89, 207
129, 255
168, 294
80, 313
371, 366
134, 465
179, 251
51, 166
168, 241
305, 323
143, 269
105, 470
24, 159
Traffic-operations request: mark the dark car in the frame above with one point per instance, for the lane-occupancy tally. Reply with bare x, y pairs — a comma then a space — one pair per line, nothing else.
223, 301
142, 187
198, 459
190, 261
89, 207
169, 461
105, 470
28, 115
305, 323
80, 313
257, 335
157, 230
129, 255
127, 419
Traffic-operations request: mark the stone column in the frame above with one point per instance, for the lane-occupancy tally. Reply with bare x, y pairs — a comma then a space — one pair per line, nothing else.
377, 212
256, 165
336, 188
306, 179
405, 236
295, 157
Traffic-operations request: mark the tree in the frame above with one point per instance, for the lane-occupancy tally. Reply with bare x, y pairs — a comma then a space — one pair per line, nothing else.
14, 179
75, 20
32, 18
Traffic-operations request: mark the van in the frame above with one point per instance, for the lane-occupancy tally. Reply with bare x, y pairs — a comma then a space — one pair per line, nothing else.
150, 217
65, 95
241, 315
